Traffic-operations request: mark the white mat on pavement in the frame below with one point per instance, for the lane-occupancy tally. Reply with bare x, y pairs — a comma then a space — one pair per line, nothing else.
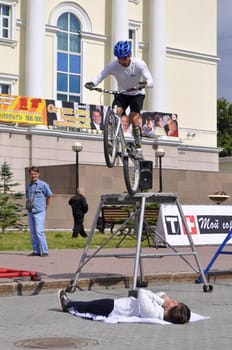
122, 319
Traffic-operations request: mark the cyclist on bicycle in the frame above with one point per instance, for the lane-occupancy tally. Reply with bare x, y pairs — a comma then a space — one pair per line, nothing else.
129, 73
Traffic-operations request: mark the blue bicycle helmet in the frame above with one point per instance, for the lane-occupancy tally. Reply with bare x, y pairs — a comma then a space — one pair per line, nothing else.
122, 49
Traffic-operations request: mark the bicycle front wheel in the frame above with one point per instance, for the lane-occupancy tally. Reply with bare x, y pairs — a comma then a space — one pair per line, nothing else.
110, 139
131, 171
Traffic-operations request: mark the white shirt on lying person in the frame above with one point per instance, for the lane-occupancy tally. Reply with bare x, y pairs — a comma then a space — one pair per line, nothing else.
146, 305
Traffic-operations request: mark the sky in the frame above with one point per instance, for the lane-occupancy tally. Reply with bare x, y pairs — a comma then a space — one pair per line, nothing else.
224, 49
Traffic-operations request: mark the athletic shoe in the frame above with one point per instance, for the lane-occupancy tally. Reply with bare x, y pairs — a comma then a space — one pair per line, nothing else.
63, 300
138, 153
34, 254
83, 234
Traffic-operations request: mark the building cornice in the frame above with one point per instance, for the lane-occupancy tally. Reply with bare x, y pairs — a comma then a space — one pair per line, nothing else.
94, 36
9, 77
198, 131
135, 1
185, 148
51, 29
7, 42
191, 54
84, 35
65, 134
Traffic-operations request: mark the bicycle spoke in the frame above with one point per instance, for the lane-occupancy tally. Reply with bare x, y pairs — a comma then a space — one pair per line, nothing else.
115, 145
110, 139
131, 171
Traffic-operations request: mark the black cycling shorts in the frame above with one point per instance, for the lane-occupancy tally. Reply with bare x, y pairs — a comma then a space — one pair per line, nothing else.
135, 102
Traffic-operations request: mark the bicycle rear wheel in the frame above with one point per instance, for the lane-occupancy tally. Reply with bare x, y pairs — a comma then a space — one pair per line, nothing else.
110, 139
131, 171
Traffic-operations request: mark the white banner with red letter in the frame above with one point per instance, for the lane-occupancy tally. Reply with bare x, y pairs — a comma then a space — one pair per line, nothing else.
208, 224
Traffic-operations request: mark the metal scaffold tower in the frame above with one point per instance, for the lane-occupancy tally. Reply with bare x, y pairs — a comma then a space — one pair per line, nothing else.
136, 205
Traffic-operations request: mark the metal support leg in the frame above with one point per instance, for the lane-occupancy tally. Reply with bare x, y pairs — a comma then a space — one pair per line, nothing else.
139, 240
218, 252
83, 261
142, 199
206, 287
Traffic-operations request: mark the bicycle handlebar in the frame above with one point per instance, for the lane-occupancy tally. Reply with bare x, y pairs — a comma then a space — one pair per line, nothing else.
115, 92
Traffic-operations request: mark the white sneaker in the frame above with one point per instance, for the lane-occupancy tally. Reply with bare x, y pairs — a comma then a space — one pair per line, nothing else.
63, 300
138, 153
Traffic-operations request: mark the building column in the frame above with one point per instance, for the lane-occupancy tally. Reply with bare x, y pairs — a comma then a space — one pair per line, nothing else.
119, 29
157, 100
35, 49
119, 21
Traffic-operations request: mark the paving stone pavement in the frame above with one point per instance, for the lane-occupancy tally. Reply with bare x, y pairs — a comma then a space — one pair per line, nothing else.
29, 318
58, 269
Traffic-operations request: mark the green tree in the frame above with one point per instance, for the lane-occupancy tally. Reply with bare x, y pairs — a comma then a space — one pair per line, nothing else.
224, 126
11, 211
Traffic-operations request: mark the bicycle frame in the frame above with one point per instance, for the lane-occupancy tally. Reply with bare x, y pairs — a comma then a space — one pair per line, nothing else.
119, 133
113, 140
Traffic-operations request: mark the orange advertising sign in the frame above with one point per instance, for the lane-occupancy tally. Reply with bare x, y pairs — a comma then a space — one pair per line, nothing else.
20, 109
80, 117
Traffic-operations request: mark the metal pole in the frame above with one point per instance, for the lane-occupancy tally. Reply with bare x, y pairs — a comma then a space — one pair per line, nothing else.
77, 147
139, 241
160, 175
77, 171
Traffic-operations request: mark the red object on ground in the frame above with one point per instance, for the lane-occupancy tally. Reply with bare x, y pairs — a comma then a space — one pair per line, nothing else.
5, 273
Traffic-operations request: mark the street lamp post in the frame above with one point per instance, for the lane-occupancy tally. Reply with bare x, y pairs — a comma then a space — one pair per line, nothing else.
77, 147
160, 153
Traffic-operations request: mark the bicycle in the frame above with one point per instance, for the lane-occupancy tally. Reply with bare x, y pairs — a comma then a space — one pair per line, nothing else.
115, 145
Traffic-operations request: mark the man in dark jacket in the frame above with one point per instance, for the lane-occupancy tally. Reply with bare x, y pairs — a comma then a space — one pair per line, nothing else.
79, 208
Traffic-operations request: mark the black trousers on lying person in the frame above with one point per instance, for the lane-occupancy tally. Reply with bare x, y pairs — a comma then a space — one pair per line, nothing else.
102, 307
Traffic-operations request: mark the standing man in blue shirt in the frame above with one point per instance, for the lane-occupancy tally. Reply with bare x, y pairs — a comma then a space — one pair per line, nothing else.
38, 195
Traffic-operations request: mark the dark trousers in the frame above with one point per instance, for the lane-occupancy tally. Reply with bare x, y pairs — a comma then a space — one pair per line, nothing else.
78, 224
102, 307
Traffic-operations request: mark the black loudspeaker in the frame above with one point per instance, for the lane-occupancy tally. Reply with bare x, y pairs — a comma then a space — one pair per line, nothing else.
146, 168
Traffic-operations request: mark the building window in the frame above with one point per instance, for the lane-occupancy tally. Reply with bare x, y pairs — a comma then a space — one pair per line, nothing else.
133, 38
7, 83
5, 13
8, 23
68, 58
5, 89
132, 41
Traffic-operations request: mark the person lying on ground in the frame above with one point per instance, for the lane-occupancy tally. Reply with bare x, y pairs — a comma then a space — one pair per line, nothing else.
146, 305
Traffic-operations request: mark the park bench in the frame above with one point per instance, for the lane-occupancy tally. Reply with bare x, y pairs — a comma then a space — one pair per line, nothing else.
112, 215
120, 218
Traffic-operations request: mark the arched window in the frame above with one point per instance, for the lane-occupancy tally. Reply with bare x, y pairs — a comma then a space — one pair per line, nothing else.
68, 58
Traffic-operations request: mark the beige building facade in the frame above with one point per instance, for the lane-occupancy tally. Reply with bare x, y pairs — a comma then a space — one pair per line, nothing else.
177, 40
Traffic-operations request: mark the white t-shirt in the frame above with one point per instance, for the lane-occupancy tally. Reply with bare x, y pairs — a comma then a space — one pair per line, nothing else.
147, 305
127, 77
